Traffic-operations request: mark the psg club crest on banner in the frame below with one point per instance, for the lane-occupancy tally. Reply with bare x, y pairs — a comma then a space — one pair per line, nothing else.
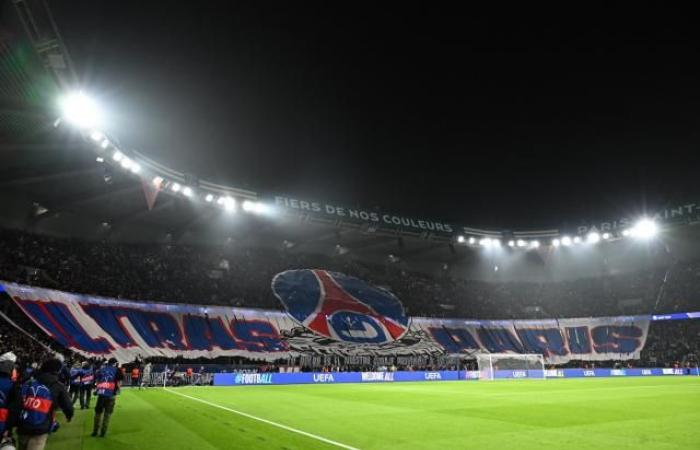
341, 307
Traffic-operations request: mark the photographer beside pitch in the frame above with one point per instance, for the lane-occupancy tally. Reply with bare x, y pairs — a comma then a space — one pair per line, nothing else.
107, 383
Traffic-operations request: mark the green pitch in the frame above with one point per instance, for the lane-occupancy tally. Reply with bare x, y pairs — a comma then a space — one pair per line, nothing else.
611, 413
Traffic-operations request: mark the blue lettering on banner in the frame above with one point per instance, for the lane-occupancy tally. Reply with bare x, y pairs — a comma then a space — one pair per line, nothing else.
546, 341
499, 340
616, 339
59, 322
454, 340
579, 340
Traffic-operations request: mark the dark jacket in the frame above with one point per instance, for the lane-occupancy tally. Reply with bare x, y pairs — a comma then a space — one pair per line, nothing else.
60, 398
9, 395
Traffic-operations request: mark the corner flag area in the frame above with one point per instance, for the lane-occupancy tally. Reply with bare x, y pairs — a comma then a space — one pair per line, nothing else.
653, 413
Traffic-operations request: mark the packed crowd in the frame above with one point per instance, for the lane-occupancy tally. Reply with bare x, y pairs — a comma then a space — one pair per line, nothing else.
229, 275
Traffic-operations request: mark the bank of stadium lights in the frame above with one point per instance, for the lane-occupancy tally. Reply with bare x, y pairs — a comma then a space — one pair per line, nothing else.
534, 244
209, 198
79, 110
593, 237
187, 191
254, 207
644, 229
229, 204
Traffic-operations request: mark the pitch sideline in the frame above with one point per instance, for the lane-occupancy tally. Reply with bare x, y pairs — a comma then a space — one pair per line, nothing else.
269, 422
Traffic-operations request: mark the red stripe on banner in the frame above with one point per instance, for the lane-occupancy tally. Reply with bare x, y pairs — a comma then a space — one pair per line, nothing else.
3, 414
337, 299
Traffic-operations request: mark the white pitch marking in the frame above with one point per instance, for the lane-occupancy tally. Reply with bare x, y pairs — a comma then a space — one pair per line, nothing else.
269, 422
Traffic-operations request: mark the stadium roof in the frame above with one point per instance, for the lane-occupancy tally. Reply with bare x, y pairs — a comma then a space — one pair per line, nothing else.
51, 182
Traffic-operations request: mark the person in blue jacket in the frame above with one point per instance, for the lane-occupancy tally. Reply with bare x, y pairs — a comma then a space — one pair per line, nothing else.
76, 373
107, 383
87, 384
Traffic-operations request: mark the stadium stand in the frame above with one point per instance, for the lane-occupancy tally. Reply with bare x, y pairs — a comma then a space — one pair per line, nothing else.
216, 276
221, 276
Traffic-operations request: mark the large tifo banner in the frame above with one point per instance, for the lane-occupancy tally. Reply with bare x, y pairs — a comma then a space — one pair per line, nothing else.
336, 323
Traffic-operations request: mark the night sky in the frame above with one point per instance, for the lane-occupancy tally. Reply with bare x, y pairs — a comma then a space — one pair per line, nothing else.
522, 119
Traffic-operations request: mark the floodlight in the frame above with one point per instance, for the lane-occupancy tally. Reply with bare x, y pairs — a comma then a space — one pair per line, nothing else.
485, 242
126, 163
79, 110
104, 144
495, 242
577, 240
187, 191
606, 236
100, 159
460, 239
117, 156
556, 242
176, 187
209, 198
220, 201
521, 243
135, 168
157, 181
592, 237
645, 229
511, 243
255, 207
566, 241
534, 244
626, 232
472, 240
96, 136
229, 204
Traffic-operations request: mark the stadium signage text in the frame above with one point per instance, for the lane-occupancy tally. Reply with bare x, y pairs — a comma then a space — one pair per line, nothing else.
412, 224
253, 378
337, 212
377, 376
674, 214
323, 378
229, 379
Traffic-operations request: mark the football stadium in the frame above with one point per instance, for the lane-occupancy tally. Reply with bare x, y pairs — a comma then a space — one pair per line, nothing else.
153, 298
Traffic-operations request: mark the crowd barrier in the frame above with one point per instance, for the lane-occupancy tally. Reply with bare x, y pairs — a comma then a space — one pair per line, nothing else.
271, 378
